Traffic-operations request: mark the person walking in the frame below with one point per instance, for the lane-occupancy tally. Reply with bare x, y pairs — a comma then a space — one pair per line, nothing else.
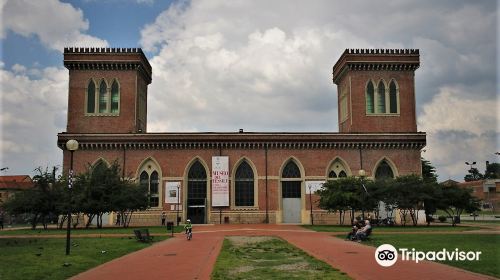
163, 218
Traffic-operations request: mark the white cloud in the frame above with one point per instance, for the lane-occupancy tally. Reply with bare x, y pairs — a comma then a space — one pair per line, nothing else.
56, 24
33, 112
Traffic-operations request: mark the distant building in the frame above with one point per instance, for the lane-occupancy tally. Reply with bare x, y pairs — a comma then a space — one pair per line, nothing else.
487, 190
242, 177
9, 185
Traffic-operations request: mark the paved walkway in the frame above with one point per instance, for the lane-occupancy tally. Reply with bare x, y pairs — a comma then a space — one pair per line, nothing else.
177, 258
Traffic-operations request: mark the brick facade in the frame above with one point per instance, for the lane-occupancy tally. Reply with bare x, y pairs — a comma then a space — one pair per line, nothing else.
172, 154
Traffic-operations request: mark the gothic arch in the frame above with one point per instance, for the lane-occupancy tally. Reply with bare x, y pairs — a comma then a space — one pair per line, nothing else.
389, 162
255, 182
342, 162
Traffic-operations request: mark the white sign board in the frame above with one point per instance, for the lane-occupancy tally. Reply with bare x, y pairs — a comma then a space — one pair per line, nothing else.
171, 192
313, 186
220, 181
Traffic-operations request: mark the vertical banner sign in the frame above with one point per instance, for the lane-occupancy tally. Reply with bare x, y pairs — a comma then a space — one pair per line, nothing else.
172, 190
220, 181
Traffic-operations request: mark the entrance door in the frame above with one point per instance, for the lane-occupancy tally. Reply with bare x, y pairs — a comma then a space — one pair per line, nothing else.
197, 194
290, 191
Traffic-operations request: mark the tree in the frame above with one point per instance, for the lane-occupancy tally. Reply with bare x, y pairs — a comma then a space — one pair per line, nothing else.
428, 171
348, 195
473, 175
101, 189
454, 200
40, 202
492, 171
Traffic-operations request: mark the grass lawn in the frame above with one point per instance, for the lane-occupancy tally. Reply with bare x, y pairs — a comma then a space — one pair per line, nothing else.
45, 258
488, 244
262, 257
346, 229
106, 230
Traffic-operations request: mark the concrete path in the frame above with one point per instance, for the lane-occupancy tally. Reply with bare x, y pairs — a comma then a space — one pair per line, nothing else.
177, 258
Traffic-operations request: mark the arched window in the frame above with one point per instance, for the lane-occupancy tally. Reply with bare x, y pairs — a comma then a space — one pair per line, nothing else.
103, 97
153, 190
393, 98
115, 98
370, 101
381, 98
197, 193
337, 170
151, 184
244, 185
291, 170
384, 171
291, 188
91, 97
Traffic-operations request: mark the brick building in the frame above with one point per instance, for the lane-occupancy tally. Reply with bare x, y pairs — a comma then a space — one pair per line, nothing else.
242, 177
9, 185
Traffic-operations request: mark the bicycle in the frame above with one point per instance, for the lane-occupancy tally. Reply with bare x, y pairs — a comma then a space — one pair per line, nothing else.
189, 234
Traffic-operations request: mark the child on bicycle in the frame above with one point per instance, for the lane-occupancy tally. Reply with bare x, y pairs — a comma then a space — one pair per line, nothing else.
188, 227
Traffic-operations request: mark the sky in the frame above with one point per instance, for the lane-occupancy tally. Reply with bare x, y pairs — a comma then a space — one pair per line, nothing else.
258, 65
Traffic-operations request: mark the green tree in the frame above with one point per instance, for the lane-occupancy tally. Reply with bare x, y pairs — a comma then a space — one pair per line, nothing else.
473, 175
454, 200
492, 171
428, 171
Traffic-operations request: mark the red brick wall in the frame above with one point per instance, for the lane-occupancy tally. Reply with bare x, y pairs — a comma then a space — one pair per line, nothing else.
359, 121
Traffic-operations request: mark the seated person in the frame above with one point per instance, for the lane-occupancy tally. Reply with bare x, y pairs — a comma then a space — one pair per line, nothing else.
357, 225
362, 233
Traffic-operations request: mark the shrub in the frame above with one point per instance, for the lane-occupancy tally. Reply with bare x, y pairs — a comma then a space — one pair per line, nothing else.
442, 219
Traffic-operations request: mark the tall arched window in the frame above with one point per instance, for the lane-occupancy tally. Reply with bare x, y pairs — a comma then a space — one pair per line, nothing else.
384, 171
103, 97
393, 98
91, 97
370, 101
196, 193
244, 185
291, 188
381, 98
151, 184
115, 98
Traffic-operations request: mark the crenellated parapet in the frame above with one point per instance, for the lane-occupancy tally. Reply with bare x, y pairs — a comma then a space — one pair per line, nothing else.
78, 58
376, 60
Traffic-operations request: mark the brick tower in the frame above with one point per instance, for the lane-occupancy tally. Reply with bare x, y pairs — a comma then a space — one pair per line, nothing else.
376, 90
107, 90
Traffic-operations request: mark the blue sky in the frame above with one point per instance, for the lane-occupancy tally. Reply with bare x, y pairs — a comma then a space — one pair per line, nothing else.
259, 65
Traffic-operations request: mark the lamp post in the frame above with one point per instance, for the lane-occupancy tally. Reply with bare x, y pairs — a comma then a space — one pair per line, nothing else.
178, 198
72, 146
311, 205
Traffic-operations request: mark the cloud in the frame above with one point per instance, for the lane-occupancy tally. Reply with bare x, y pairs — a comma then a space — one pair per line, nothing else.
56, 24
461, 126
33, 112
266, 66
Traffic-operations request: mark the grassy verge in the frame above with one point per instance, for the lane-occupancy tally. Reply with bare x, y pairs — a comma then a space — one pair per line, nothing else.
486, 243
268, 258
346, 229
45, 258
79, 231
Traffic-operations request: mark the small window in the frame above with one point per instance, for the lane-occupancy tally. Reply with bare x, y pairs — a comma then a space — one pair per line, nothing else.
370, 101
103, 97
332, 175
91, 98
393, 98
381, 98
115, 98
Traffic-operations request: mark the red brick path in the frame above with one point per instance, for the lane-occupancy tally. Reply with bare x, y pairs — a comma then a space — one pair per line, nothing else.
177, 258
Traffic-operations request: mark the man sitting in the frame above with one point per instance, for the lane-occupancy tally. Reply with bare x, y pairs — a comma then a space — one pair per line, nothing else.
363, 232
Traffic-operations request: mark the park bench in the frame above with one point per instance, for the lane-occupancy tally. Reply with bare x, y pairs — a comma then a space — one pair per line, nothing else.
142, 235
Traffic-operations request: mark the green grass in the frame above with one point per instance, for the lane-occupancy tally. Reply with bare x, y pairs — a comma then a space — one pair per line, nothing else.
20, 261
488, 244
336, 228
477, 221
78, 231
270, 259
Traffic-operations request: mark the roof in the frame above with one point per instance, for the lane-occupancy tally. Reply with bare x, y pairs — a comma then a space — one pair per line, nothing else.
16, 182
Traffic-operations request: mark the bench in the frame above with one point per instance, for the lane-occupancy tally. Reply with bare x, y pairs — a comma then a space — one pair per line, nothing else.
142, 235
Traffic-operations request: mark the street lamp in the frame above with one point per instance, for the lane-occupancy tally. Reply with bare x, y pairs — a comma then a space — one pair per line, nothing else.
311, 204
178, 198
72, 146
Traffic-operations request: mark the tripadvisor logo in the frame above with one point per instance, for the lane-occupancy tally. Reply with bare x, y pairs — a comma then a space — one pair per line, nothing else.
386, 255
